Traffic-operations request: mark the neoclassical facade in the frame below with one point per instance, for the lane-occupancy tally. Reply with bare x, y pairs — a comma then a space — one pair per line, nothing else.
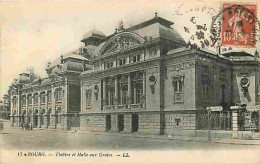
52, 102
143, 79
146, 79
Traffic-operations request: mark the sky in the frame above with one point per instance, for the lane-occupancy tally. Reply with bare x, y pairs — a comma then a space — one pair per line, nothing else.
33, 33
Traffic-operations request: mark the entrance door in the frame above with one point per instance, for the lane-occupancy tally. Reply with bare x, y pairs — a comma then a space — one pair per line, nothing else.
35, 120
120, 122
134, 123
108, 122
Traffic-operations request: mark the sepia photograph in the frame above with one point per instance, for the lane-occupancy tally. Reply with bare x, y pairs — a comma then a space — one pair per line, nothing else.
129, 81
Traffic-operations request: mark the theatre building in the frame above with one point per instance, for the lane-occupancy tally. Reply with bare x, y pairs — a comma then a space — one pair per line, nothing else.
143, 79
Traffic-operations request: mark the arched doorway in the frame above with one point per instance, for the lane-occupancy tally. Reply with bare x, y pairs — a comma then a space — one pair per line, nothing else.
48, 117
23, 117
29, 116
35, 118
41, 117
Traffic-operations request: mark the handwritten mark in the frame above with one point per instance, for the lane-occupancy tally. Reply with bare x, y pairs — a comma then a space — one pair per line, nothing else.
193, 20
186, 29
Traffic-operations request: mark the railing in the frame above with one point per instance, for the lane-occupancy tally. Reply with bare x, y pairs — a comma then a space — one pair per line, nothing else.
135, 106
248, 121
214, 121
110, 107
120, 107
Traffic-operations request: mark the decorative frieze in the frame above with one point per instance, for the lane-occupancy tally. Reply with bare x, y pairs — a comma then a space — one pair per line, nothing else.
180, 66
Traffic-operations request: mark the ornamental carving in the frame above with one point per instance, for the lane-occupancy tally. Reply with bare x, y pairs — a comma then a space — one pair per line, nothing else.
153, 51
122, 41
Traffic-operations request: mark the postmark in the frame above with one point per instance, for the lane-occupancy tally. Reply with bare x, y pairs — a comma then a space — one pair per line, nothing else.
238, 27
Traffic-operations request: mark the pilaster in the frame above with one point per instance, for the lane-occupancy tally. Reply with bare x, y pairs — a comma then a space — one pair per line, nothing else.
235, 124
129, 98
114, 123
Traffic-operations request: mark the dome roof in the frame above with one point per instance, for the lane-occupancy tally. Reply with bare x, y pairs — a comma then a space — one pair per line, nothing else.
93, 33
96, 52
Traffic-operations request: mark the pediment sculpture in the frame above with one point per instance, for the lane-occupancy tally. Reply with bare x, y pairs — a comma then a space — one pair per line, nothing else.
121, 42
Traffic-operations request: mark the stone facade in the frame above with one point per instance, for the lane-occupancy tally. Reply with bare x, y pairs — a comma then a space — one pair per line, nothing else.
51, 102
143, 79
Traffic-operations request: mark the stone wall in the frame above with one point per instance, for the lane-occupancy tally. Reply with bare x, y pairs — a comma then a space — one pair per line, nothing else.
149, 123
179, 124
95, 123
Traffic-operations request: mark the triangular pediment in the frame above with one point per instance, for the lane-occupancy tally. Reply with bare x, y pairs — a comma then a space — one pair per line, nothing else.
122, 41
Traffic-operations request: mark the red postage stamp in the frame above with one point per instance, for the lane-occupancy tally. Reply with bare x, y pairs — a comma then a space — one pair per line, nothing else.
238, 25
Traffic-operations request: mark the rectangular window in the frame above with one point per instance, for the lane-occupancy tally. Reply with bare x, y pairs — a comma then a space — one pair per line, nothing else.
35, 100
122, 61
29, 100
49, 97
14, 101
138, 95
178, 89
111, 98
124, 97
88, 98
110, 64
58, 95
42, 98
136, 58
23, 100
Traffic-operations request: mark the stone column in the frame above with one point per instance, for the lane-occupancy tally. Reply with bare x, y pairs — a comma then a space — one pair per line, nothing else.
104, 92
32, 102
39, 101
144, 90
46, 102
129, 98
114, 123
116, 90
121, 94
44, 116
53, 104
32, 119
65, 107
39, 119
81, 96
258, 121
18, 104
26, 103
235, 124
128, 123
66, 97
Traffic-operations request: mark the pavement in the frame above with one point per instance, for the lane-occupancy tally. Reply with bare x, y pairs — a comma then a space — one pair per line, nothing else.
170, 137
255, 141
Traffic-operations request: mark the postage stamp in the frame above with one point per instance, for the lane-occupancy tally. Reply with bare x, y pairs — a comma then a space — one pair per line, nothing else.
238, 25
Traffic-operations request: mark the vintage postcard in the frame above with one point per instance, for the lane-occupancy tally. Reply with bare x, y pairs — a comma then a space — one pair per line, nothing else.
130, 81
